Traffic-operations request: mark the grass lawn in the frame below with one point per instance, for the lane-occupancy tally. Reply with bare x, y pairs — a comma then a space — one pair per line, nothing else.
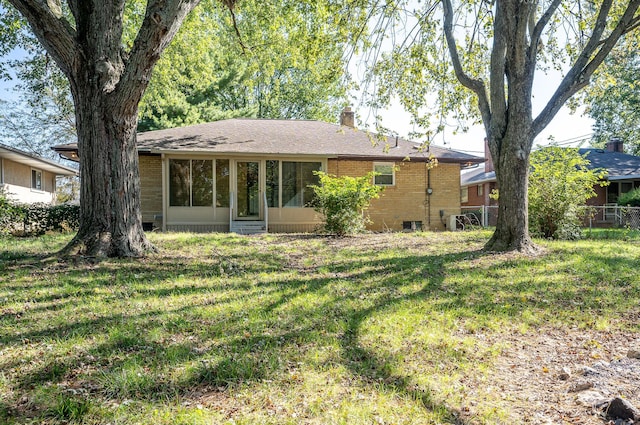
288, 329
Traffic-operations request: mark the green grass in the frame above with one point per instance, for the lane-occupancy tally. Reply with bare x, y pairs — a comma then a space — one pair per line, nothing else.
288, 329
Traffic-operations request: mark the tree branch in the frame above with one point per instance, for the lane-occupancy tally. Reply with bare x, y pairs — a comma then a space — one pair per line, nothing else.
496, 76
477, 86
230, 4
55, 33
162, 20
539, 28
588, 61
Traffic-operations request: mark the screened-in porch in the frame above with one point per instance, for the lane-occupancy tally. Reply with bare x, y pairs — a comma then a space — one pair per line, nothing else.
246, 195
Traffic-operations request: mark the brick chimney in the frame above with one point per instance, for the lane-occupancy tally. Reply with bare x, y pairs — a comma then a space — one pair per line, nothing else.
488, 165
347, 118
615, 145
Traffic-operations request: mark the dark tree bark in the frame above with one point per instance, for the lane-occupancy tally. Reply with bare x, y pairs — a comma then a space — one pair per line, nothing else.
107, 84
505, 106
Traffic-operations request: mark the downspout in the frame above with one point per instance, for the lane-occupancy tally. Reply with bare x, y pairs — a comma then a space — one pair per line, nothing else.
428, 194
163, 161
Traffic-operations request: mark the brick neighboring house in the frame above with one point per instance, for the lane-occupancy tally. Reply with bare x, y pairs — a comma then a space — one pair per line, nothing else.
623, 171
623, 175
248, 175
477, 183
28, 178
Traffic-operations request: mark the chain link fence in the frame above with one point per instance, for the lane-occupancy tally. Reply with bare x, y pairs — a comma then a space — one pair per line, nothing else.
610, 215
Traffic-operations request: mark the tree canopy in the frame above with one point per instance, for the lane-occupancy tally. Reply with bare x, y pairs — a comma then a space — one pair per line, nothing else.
286, 60
614, 98
476, 61
281, 60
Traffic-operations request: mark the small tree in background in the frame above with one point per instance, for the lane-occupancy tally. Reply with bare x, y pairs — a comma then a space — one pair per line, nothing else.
343, 201
630, 199
560, 182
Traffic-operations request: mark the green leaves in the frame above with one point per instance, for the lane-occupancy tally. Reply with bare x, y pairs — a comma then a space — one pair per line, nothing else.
287, 63
343, 200
614, 98
559, 183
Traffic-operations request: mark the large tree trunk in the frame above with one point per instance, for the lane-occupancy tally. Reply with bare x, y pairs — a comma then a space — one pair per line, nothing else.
512, 173
110, 218
107, 81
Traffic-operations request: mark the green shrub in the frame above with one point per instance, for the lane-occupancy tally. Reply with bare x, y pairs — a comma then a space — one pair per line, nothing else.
560, 182
630, 199
10, 214
343, 201
38, 218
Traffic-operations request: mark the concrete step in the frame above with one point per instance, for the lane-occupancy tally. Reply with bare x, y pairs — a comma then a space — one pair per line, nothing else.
248, 227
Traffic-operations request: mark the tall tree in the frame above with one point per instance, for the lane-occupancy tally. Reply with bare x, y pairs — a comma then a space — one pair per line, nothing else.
492, 50
107, 81
287, 63
613, 101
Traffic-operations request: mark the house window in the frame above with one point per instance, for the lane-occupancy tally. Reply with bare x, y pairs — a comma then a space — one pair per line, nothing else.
480, 190
36, 179
464, 195
191, 183
273, 184
385, 175
296, 179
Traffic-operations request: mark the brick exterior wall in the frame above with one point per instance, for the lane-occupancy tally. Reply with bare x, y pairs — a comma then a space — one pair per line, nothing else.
475, 200
151, 189
407, 199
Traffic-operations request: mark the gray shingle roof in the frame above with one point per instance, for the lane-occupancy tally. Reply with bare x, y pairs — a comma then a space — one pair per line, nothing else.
619, 165
477, 176
35, 161
289, 137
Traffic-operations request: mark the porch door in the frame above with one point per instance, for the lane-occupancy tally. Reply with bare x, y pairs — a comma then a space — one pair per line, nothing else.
248, 190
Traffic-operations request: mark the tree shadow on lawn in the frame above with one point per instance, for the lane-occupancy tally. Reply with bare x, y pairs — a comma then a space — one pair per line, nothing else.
247, 336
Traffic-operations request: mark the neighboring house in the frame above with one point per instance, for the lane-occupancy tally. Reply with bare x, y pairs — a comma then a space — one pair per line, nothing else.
247, 175
623, 171
28, 178
623, 175
476, 184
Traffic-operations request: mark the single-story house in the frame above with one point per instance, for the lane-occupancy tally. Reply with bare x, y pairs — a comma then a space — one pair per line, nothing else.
247, 175
28, 178
623, 171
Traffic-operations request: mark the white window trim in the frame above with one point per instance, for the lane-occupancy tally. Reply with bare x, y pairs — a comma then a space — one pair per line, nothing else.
393, 172
42, 185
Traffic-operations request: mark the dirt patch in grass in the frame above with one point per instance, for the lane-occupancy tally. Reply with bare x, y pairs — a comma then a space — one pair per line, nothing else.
558, 376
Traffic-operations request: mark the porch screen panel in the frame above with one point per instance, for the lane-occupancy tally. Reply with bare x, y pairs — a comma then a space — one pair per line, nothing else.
222, 183
273, 184
179, 179
296, 178
308, 179
202, 186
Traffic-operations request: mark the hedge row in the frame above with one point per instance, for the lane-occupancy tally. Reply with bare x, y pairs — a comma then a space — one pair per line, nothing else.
36, 219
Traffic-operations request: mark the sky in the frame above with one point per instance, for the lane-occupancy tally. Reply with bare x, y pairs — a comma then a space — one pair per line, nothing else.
566, 128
